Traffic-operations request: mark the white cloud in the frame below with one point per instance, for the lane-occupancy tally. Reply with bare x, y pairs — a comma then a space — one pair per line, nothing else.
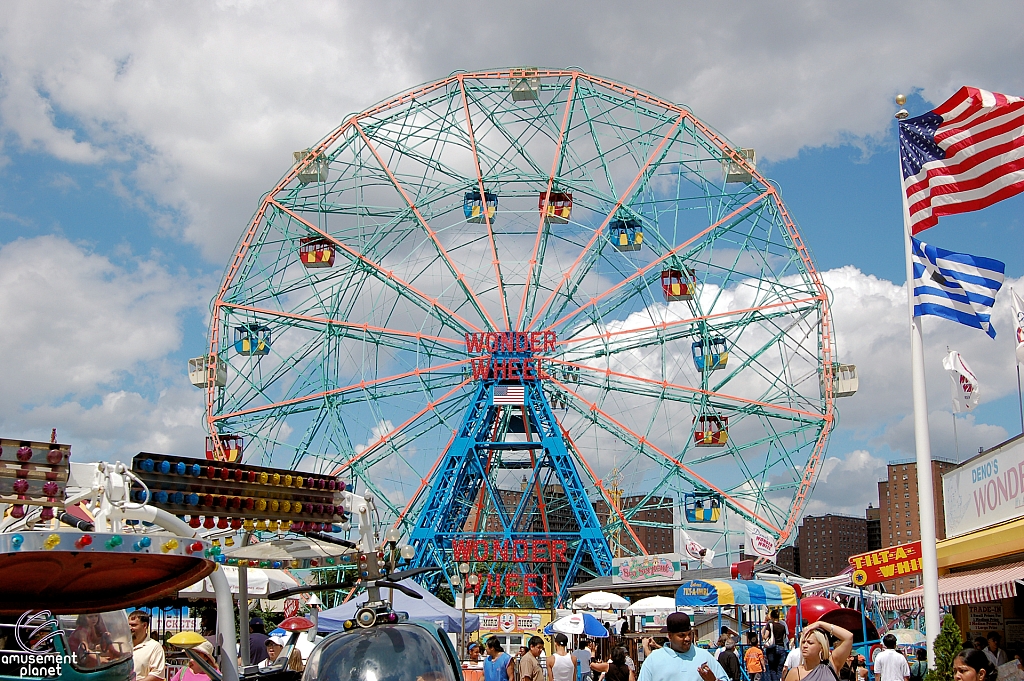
205, 101
834, 492
872, 331
85, 339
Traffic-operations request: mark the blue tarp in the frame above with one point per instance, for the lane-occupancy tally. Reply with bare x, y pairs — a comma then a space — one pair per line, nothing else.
431, 609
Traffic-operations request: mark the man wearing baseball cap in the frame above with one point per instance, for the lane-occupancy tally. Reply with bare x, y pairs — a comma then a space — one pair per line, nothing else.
679, 659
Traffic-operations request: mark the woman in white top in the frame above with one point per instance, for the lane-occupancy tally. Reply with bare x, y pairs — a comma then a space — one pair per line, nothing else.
561, 665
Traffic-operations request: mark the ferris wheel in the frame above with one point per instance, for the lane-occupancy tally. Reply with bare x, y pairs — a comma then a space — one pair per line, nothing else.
665, 312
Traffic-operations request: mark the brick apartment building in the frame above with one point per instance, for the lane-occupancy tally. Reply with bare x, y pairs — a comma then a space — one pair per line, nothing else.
657, 510
826, 543
899, 509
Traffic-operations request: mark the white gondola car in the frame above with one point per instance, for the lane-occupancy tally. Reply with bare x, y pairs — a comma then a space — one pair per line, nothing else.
734, 172
199, 375
844, 380
311, 168
525, 84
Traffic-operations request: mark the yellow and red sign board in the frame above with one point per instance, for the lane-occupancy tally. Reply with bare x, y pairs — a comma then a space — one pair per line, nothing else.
885, 564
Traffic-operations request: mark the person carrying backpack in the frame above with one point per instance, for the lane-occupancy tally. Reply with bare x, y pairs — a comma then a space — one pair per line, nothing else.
920, 666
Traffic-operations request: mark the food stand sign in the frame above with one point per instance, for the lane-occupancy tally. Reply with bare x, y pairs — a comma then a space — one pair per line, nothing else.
885, 564
641, 569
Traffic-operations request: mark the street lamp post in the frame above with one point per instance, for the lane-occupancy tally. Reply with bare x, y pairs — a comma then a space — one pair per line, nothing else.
464, 570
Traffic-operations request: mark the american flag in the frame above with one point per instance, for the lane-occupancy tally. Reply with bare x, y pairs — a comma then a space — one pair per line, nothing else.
966, 154
509, 394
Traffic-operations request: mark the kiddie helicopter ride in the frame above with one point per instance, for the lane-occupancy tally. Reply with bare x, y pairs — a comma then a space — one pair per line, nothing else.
55, 565
92, 538
525, 309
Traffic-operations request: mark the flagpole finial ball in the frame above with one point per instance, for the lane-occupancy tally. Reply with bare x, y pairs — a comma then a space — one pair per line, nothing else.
901, 100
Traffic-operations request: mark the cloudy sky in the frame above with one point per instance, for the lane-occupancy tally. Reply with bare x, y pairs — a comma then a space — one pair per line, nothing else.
137, 138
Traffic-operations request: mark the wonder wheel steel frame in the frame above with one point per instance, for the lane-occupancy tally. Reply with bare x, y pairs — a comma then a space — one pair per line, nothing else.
436, 210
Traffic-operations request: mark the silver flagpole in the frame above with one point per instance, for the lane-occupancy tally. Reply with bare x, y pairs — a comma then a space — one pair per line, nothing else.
922, 439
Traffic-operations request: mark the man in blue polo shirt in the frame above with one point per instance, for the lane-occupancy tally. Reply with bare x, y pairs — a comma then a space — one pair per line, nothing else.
679, 659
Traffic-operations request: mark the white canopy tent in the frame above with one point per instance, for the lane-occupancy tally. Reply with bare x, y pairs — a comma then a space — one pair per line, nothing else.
655, 605
600, 600
261, 581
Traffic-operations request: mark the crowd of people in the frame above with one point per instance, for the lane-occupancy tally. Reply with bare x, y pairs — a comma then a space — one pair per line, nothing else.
150, 657
823, 652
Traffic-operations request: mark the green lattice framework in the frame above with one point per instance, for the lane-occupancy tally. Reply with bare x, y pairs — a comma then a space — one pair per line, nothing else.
368, 375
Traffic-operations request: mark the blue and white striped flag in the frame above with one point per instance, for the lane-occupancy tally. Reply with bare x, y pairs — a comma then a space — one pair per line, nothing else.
956, 286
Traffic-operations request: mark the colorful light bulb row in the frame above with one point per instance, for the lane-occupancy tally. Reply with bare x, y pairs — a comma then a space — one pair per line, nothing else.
24, 454
21, 487
211, 522
240, 475
251, 504
86, 540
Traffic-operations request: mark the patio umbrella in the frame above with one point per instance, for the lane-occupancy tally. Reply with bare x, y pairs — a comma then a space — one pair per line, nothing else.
907, 637
578, 623
654, 605
601, 600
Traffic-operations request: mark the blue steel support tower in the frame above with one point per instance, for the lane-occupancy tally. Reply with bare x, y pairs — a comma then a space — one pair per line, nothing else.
509, 425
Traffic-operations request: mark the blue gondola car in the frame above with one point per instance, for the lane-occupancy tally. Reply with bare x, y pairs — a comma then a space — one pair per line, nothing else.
473, 206
713, 355
626, 235
252, 339
702, 507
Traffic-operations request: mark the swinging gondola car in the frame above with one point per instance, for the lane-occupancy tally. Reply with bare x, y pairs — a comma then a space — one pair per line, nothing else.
233, 446
702, 507
712, 430
473, 207
678, 284
199, 369
559, 207
525, 84
714, 355
252, 340
734, 172
844, 380
626, 235
316, 252
95, 647
311, 168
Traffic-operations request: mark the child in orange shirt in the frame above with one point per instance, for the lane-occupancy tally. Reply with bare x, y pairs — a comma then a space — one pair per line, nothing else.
753, 658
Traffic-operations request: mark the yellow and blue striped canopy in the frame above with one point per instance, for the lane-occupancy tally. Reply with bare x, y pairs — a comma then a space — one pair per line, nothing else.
714, 592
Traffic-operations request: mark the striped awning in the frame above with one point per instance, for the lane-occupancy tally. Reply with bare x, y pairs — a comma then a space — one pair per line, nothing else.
715, 592
976, 586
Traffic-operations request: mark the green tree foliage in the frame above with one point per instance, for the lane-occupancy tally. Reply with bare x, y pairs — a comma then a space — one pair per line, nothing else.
948, 645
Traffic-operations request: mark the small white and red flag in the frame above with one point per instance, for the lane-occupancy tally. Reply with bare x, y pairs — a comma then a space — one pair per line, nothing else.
963, 383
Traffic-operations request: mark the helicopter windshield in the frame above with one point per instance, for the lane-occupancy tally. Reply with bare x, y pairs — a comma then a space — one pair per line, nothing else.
401, 652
